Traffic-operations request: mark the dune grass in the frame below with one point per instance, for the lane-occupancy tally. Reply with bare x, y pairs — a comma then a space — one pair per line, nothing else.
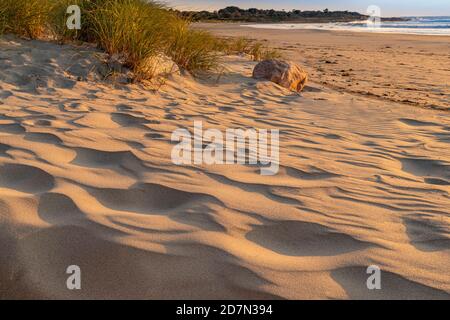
37, 18
133, 29
193, 50
57, 19
26, 18
236, 45
2, 17
241, 45
259, 52
137, 31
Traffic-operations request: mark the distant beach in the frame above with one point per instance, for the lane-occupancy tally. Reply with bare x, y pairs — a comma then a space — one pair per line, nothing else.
406, 68
439, 26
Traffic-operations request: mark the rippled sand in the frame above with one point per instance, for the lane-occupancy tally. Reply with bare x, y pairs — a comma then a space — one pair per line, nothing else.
86, 179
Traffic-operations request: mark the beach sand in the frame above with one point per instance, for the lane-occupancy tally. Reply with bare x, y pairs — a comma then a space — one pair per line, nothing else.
86, 176
411, 69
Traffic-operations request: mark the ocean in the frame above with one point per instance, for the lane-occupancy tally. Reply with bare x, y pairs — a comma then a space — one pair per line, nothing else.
415, 25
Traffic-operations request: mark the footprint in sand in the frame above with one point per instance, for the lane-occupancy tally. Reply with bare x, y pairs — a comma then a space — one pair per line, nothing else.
143, 198
57, 208
25, 178
98, 159
297, 238
43, 137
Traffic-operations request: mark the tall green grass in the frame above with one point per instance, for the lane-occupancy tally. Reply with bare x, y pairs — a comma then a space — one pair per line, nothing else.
241, 45
260, 52
193, 50
26, 18
58, 16
236, 45
135, 30
2, 17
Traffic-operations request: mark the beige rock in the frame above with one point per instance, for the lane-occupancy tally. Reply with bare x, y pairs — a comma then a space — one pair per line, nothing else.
163, 66
284, 73
155, 67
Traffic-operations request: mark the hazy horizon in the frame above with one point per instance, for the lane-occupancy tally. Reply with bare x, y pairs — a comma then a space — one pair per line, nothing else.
399, 8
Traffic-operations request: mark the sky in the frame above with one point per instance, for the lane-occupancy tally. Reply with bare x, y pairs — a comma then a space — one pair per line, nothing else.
388, 7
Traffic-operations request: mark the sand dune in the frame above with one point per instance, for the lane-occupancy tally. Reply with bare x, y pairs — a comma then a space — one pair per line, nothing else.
86, 179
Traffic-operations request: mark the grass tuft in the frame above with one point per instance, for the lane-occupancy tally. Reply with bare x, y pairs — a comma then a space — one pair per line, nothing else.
237, 45
242, 45
2, 17
259, 52
136, 31
193, 50
133, 29
58, 18
26, 18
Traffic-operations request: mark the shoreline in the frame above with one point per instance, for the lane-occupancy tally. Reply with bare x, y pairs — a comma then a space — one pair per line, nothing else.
247, 24
396, 31
386, 66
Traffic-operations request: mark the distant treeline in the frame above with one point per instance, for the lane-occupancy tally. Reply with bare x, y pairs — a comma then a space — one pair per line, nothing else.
260, 15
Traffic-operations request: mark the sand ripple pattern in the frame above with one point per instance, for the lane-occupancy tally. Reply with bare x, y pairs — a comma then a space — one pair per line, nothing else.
86, 179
